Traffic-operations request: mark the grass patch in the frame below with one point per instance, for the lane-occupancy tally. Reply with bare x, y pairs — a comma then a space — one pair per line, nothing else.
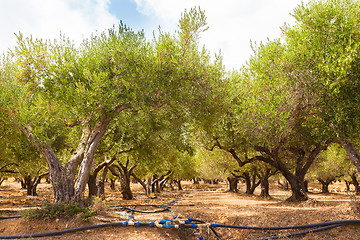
55, 211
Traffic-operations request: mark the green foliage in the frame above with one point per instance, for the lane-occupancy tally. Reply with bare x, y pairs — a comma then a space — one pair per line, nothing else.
323, 48
59, 211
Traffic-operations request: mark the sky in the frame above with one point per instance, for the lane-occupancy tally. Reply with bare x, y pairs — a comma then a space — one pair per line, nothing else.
233, 24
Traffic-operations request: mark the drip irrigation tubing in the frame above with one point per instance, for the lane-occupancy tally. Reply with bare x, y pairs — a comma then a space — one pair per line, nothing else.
317, 227
70, 230
132, 209
301, 233
11, 217
339, 222
194, 223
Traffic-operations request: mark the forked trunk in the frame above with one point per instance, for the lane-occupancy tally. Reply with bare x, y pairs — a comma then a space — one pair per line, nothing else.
297, 189
356, 184
352, 153
233, 184
101, 184
125, 187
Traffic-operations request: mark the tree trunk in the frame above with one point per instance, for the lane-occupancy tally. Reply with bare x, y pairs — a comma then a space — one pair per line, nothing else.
148, 186
178, 183
298, 192
142, 183
92, 185
250, 182
112, 184
306, 185
264, 183
233, 184
347, 183
356, 184
163, 182
196, 180
155, 184
352, 153
303, 163
66, 188
125, 187
247, 179
325, 184
101, 184
31, 184
124, 174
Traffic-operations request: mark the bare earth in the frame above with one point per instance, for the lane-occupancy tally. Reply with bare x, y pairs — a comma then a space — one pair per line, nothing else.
209, 203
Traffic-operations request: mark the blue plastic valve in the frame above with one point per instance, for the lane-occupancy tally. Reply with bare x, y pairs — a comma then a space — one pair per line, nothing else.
124, 223
137, 224
193, 225
168, 226
151, 223
165, 220
214, 224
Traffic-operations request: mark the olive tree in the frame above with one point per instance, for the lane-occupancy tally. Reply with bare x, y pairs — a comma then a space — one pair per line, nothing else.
46, 84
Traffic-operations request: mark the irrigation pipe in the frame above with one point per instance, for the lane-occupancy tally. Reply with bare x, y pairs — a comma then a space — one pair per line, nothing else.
70, 230
318, 227
301, 233
193, 223
132, 210
2, 218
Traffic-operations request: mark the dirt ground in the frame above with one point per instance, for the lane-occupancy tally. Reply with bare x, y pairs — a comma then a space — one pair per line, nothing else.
209, 203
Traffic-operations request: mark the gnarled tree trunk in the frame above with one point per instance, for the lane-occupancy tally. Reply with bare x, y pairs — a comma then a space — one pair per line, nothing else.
66, 188
124, 173
352, 153
250, 181
303, 163
233, 184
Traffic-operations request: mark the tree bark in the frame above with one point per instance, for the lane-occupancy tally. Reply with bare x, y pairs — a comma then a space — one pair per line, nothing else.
92, 185
178, 183
196, 180
233, 184
148, 186
250, 182
325, 184
101, 184
265, 186
124, 174
142, 183
32, 183
352, 153
66, 188
355, 182
112, 184
303, 163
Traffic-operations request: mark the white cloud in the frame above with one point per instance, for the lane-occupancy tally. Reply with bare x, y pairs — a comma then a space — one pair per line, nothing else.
233, 23
76, 19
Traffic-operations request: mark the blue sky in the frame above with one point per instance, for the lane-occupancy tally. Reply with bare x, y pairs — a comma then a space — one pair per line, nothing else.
233, 23
125, 10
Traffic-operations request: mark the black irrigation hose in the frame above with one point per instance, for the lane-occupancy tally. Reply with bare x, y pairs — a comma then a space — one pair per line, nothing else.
2, 218
132, 210
301, 233
339, 222
70, 230
318, 227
